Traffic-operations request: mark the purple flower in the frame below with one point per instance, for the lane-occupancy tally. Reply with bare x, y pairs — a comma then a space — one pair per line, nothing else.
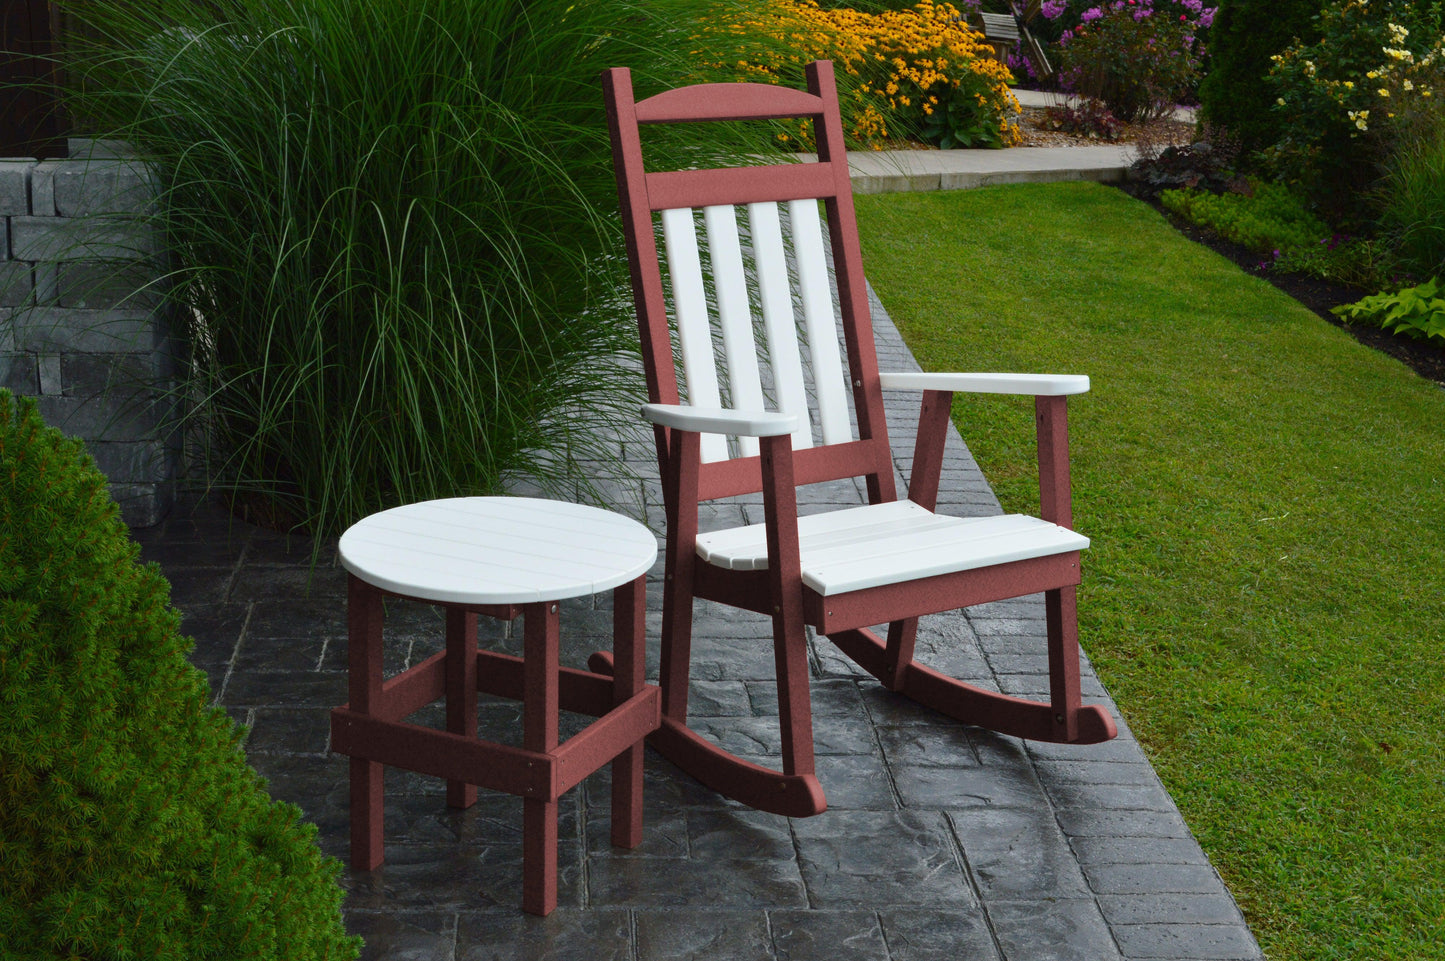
1053, 9
1090, 15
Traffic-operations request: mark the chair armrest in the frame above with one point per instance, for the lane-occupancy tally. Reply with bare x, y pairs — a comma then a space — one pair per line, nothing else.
717, 420
1037, 385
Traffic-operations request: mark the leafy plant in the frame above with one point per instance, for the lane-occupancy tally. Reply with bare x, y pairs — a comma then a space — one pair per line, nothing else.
1363, 262
1268, 217
1136, 59
1208, 164
393, 228
132, 825
1086, 118
1415, 311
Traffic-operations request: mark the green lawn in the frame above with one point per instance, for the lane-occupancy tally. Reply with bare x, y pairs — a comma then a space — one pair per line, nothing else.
1263, 595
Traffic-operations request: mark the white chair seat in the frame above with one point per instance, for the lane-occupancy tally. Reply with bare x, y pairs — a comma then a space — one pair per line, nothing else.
863, 547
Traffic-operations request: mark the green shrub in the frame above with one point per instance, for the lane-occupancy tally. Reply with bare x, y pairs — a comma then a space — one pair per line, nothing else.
131, 825
1246, 34
1415, 311
394, 231
1268, 218
1364, 262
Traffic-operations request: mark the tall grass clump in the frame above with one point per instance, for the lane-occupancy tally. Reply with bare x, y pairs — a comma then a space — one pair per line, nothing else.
1413, 211
392, 230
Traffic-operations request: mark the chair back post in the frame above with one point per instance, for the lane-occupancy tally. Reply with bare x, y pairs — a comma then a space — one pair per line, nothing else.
852, 287
647, 295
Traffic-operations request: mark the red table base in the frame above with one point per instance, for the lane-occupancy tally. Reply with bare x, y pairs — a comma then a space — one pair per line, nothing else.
370, 730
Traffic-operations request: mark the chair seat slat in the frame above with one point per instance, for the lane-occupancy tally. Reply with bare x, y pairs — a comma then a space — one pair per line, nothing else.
892, 542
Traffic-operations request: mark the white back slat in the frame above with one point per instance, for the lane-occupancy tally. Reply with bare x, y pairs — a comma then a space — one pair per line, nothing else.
740, 349
684, 265
775, 291
817, 296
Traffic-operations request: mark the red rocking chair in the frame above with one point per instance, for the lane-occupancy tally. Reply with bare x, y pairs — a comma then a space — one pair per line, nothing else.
889, 561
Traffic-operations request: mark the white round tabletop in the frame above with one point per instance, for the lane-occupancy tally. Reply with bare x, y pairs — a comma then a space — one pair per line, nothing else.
497, 550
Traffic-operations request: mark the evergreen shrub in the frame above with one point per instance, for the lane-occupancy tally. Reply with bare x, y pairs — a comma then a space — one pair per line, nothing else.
1245, 35
131, 825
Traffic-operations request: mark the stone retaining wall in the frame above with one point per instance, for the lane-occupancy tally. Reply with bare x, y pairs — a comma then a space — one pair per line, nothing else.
82, 328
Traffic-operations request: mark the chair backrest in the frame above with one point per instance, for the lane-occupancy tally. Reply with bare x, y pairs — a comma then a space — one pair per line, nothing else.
713, 297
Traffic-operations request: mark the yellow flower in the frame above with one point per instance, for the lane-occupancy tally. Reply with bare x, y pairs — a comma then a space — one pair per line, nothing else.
1279, 100
1383, 91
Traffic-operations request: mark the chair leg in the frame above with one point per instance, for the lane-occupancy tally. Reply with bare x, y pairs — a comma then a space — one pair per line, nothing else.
901, 637
795, 708
1061, 613
676, 655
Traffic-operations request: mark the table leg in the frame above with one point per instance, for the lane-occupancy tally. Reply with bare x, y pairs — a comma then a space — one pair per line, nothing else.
364, 617
461, 673
629, 651
539, 733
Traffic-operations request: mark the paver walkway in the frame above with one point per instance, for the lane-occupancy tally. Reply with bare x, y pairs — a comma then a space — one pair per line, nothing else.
940, 841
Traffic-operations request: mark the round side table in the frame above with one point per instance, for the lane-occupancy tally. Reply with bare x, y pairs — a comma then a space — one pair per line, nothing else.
498, 557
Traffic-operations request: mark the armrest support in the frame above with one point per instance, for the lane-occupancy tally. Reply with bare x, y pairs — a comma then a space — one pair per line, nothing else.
1037, 385
716, 420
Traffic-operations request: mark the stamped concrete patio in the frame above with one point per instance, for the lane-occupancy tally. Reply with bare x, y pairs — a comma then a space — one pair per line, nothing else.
940, 841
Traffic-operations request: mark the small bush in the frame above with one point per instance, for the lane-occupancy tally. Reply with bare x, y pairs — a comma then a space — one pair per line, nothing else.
132, 825
1137, 59
1087, 118
1269, 218
920, 72
1207, 164
1364, 262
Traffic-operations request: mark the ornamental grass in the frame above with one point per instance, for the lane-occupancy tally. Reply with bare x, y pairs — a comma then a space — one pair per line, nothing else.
395, 251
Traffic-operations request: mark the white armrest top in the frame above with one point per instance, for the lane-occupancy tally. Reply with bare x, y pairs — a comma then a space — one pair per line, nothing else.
717, 420
1039, 385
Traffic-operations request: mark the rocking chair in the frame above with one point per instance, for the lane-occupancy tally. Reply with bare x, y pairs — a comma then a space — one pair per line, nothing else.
889, 561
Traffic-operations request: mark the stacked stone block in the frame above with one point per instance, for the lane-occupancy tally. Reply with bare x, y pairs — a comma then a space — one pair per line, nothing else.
83, 327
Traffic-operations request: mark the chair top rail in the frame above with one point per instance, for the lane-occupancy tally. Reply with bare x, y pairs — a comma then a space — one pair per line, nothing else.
728, 101
716, 186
